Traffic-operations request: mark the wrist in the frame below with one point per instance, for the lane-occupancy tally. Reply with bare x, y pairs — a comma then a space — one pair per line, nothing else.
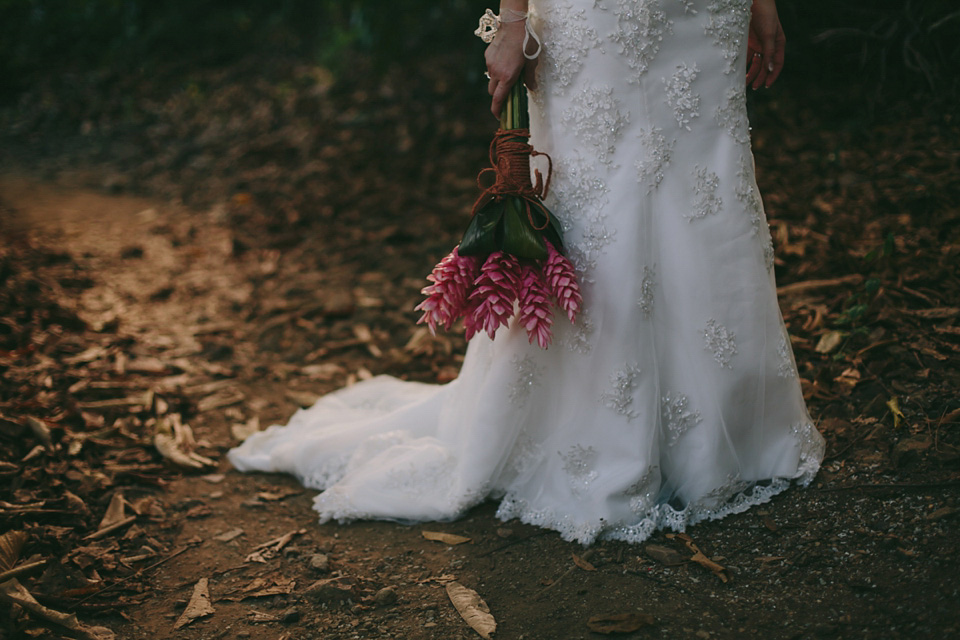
517, 26
512, 16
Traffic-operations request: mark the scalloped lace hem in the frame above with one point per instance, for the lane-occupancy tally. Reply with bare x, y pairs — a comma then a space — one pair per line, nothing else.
335, 505
661, 516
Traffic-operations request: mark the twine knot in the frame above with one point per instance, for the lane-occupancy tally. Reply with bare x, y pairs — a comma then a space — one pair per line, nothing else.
510, 155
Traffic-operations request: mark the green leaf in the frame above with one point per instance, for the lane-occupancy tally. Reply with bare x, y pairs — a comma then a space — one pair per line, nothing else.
480, 238
519, 238
554, 231
889, 245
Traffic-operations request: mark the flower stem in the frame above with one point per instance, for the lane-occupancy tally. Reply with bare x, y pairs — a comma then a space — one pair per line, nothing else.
514, 114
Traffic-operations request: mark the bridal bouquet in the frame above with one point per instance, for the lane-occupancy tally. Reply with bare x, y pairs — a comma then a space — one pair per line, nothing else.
510, 260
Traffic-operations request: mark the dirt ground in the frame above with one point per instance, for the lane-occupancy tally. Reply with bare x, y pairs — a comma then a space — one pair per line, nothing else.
860, 554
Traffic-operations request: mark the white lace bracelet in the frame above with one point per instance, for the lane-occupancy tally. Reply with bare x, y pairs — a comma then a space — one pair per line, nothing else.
490, 24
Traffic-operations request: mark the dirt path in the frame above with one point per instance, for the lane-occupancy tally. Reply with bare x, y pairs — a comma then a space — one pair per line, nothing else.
858, 555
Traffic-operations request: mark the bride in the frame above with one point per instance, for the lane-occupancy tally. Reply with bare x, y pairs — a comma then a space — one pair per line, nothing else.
675, 397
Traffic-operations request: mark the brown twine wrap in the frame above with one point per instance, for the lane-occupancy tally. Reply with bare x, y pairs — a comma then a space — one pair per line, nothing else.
510, 155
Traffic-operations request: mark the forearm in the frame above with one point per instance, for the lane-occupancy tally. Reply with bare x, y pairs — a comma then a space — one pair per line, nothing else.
514, 5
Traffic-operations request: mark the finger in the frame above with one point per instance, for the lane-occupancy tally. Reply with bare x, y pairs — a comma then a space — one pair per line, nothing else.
754, 65
761, 75
491, 86
769, 49
776, 65
499, 96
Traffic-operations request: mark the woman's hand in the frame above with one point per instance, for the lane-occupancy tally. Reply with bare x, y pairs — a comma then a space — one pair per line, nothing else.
506, 62
765, 44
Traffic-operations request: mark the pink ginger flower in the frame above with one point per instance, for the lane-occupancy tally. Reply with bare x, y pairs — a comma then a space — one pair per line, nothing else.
535, 314
491, 303
562, 282
446, 301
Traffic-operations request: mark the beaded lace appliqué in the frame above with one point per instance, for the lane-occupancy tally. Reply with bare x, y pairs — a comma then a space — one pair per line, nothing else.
706, 200
328, 474
568, 38
689, 7
720, 341
646, 291
677, 417
641, 492
578, 464
746, 192
596, 120
526, 454
785, 367
717, 498
421, 478
656, 157
579, 192
639, 32
728, 27
579, 338
620, 397
580, 197
680, 96
732, 114
528, 376
334, 469
812, 448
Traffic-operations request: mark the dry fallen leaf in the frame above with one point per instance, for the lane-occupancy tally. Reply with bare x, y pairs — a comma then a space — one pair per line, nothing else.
174, 441
325, 371
620, 623
829, 342
198, 511
583, 564
700, 558
446, 538
115, 511
717, 569
222, 398
11, 544
847, 380
14, 592
272, 587
472, 609
664, 555
227, 536
199, 605
301, 398
273, 496
441, 579
270, 548
894, 405
243, 431
261, 616
41, 431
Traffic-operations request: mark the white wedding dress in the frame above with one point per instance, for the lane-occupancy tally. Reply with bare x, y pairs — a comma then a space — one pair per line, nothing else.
675, 397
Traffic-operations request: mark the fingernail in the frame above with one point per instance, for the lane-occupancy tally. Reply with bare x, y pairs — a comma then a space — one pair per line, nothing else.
770, 67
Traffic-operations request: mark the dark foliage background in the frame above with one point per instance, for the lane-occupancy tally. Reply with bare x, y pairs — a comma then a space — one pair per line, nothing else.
39, 37
886, 45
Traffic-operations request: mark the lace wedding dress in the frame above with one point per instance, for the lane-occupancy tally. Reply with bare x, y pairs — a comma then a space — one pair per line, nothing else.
675, 397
